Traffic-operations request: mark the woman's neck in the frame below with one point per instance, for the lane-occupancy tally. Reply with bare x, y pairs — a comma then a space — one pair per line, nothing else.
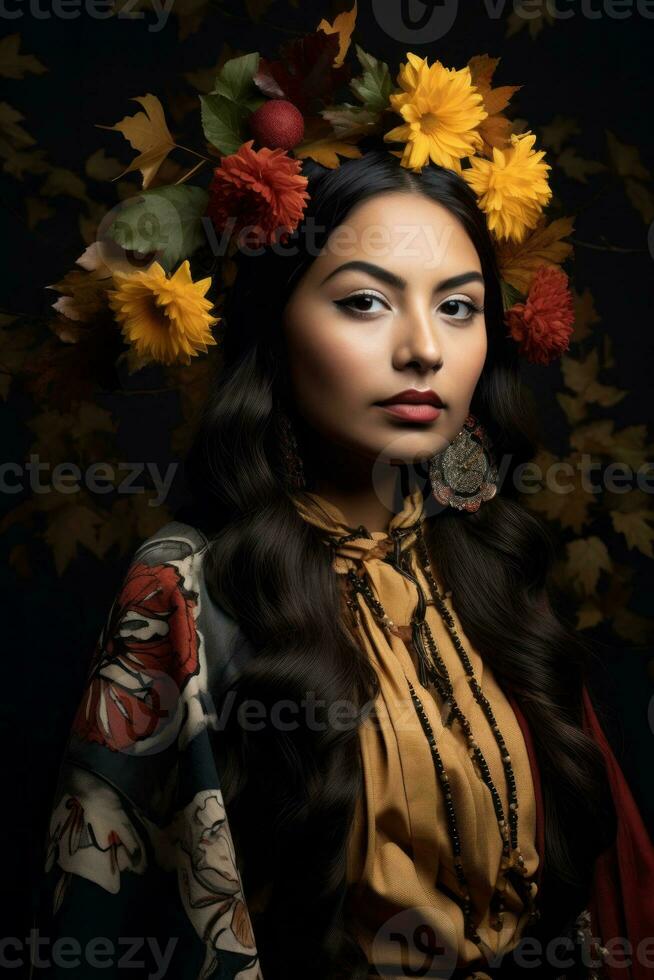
360, 505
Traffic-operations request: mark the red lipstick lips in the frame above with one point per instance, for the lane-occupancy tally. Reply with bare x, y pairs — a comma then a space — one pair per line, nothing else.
413, 405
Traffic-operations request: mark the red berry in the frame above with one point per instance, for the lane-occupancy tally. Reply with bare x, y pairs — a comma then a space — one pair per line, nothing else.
277, 123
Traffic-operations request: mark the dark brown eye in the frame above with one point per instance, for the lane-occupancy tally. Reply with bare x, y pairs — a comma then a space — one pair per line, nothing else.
472, 308
362, 301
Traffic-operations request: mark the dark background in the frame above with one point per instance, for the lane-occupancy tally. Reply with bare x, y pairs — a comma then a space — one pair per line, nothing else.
587, 93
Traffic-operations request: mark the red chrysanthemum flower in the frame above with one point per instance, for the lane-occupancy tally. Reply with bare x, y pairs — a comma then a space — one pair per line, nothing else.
263, 190
542, 326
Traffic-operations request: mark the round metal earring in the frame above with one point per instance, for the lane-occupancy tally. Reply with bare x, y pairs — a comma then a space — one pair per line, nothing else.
464, 474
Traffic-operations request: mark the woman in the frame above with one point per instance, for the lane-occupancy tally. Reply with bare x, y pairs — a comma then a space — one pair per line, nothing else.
369, 681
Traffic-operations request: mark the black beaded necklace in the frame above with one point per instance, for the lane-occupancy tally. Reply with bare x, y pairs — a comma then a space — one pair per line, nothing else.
432, 666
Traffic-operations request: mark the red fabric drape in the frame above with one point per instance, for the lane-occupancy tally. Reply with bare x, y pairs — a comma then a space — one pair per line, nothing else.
622, 899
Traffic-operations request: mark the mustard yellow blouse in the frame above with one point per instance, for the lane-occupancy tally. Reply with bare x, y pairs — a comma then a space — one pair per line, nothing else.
400, 862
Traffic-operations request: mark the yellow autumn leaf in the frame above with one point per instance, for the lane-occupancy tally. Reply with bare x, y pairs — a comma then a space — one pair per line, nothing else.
83, 297
628, 445
626, 159
12, 136
101, 167
62, 181
588, 615
130, 520
569, 508
148, 132
637, 531
26, 162
543, 246
325, 150
574, 407
576, 167
632, 626
581, 377
535, 22
37, 210
641, 197
586, 315
555, 133
13, 64
495, 128
343, 26
71, 525
587, 557
578, 374
605, 395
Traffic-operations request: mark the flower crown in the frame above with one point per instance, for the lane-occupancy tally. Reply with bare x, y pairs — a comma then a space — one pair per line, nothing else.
261, 119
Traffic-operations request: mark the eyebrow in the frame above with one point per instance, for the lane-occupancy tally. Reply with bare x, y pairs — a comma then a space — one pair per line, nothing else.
397, 281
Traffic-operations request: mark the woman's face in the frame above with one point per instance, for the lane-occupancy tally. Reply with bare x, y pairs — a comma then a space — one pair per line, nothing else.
356, 336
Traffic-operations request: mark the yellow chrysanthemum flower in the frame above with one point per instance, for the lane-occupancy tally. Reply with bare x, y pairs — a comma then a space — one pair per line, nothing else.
441, 109
166, 319
511, 188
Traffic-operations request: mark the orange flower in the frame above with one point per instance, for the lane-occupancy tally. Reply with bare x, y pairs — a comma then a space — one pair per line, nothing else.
261, 189
542, 326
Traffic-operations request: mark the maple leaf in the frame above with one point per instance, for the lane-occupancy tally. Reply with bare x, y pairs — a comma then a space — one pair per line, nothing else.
343, 26
37, 210
148, 132
637, 531
627, 445
576, 167
374, 85
556, 133
71, 525
496, 128
12, 136
585, 315
641, 198
322, 145
13, 64
625, 158
581, 377
63, 181
100, 167
534, 22
305, 73
326, 151
130, 520
587, 557
83, 297
30, 162
519, 261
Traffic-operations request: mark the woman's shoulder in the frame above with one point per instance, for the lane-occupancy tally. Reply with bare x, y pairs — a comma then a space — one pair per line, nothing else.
173, 540
168, 569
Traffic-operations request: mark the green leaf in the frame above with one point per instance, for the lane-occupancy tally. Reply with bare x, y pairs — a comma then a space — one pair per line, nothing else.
166, 220
235, 79
223, 122
374, 86
510, 295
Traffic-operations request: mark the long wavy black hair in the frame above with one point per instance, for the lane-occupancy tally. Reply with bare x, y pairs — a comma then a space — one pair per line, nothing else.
291, 794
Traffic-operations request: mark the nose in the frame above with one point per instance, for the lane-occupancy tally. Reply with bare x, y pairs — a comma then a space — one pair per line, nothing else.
419, 343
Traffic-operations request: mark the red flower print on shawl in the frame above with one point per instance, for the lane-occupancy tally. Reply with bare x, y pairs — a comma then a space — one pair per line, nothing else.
145, 654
